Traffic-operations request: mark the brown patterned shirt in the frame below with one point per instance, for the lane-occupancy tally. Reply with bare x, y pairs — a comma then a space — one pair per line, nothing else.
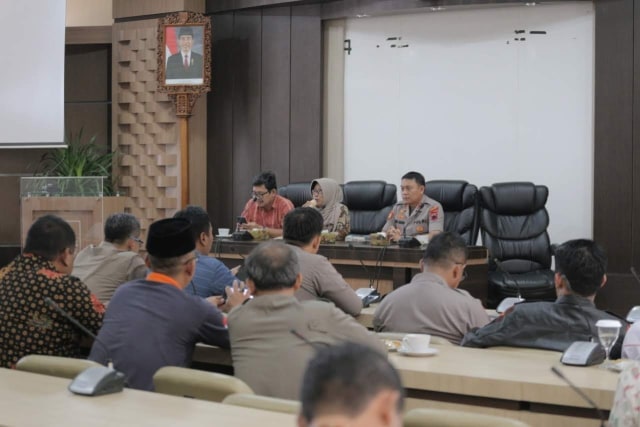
28, 325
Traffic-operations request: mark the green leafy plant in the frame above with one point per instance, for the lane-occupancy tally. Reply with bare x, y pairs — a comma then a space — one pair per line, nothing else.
79, 159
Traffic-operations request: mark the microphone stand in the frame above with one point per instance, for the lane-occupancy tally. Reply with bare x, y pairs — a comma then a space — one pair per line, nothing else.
581, 393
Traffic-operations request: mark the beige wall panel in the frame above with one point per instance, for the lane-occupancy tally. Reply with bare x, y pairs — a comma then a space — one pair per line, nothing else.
130, 8
88, 13
333, 100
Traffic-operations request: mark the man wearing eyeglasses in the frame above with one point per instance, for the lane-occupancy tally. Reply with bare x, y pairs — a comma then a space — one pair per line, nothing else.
432, 303
266, 209
115, 260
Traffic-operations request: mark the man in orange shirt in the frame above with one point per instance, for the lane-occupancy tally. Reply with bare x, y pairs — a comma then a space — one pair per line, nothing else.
266, 209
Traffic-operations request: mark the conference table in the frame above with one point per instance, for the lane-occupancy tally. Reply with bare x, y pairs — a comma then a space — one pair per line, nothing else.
513, 382
362, 265
28, 399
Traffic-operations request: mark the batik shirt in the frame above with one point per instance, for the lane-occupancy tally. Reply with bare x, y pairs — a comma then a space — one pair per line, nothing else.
28, 325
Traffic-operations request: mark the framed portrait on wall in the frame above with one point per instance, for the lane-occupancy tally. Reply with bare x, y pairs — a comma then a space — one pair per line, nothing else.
184, 53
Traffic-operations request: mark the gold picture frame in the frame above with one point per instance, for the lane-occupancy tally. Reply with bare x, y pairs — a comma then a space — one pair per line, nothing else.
184, 54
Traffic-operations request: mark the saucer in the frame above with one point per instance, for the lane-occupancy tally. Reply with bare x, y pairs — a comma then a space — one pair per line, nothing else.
429, 352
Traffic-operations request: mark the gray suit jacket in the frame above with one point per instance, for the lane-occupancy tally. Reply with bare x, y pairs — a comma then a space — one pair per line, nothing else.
269, 357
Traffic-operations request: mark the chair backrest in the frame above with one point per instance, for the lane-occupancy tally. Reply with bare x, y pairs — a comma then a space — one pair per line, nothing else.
460, 205
423, 417
297, 192
513, 225
55, 366
272, 404
203, 385
369, 204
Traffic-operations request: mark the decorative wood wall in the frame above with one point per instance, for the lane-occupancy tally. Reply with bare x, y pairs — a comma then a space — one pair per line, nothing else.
144, 125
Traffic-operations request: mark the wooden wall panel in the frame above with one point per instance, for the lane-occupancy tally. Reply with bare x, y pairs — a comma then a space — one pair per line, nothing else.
144, 125
247, 33
635, 213
613, 131
306, 93
220, 123
276, 91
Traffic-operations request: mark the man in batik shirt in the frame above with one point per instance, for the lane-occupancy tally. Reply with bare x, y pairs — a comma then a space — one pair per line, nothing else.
28, 325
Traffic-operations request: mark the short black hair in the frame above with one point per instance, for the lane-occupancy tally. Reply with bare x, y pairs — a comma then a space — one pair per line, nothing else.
272, 265
416, 176
119, 227
343, 379
48, 236
445, 249
583, 263
301, 225
266, 178
199, 218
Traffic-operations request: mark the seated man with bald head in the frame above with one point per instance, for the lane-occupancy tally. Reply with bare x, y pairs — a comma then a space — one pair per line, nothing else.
349, 385
274, 335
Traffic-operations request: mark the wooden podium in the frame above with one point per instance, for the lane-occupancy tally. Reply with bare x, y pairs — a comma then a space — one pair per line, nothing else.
84, 208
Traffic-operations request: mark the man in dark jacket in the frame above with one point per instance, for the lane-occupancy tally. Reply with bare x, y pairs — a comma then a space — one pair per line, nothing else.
580, 271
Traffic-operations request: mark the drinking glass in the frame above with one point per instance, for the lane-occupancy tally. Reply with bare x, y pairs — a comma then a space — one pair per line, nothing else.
608, 331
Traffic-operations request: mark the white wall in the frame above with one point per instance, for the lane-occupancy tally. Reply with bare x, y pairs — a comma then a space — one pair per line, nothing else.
32, 74
464, 100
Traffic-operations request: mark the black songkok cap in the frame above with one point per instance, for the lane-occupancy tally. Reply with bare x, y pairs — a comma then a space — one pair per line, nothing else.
185, 31
170, 238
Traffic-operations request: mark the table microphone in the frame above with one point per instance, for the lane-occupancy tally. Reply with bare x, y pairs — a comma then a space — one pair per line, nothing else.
366, 270
96, 380
581, 393
508, 302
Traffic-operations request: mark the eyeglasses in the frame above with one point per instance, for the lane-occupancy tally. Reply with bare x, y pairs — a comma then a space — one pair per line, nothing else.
259, 195
137, 240
316, 192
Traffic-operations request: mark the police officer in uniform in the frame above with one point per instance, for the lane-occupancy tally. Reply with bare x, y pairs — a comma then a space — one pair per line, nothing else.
417, 214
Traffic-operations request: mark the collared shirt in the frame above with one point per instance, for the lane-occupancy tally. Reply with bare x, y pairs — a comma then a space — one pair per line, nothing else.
546, 325
270, 218
28, 325
269, 357
320, 280
428, 305
104, 267
428, 216
210, 278
152, 323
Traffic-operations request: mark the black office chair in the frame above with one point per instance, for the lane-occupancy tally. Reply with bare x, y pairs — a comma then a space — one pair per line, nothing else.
460, 205
513, 226
297, 192
369, 204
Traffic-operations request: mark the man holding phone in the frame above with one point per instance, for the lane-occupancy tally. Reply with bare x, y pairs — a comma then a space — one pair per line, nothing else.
266, 209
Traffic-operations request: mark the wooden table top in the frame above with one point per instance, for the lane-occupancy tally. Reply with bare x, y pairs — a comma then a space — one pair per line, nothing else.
505, 373
28, 399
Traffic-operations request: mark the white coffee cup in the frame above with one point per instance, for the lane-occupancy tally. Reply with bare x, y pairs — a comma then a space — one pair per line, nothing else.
416, 343
223, 231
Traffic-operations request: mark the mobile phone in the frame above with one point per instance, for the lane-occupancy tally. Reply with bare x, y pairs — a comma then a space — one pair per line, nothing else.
241, 220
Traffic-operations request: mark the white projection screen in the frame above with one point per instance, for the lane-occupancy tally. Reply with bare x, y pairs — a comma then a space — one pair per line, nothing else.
32, 75
491, 94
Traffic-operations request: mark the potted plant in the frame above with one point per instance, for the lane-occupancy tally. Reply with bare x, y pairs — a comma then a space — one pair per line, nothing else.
75, 183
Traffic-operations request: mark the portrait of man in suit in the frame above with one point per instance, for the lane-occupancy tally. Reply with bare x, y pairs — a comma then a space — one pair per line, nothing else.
185, 66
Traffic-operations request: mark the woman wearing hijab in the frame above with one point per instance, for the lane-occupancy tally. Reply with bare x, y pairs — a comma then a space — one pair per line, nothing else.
327, 198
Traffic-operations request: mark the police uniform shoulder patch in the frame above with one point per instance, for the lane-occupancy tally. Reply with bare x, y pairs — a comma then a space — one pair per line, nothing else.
390, 216
434, 213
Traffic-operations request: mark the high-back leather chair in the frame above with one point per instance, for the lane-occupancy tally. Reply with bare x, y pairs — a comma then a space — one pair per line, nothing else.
513, 226
459, 202
369, 204
297, 192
